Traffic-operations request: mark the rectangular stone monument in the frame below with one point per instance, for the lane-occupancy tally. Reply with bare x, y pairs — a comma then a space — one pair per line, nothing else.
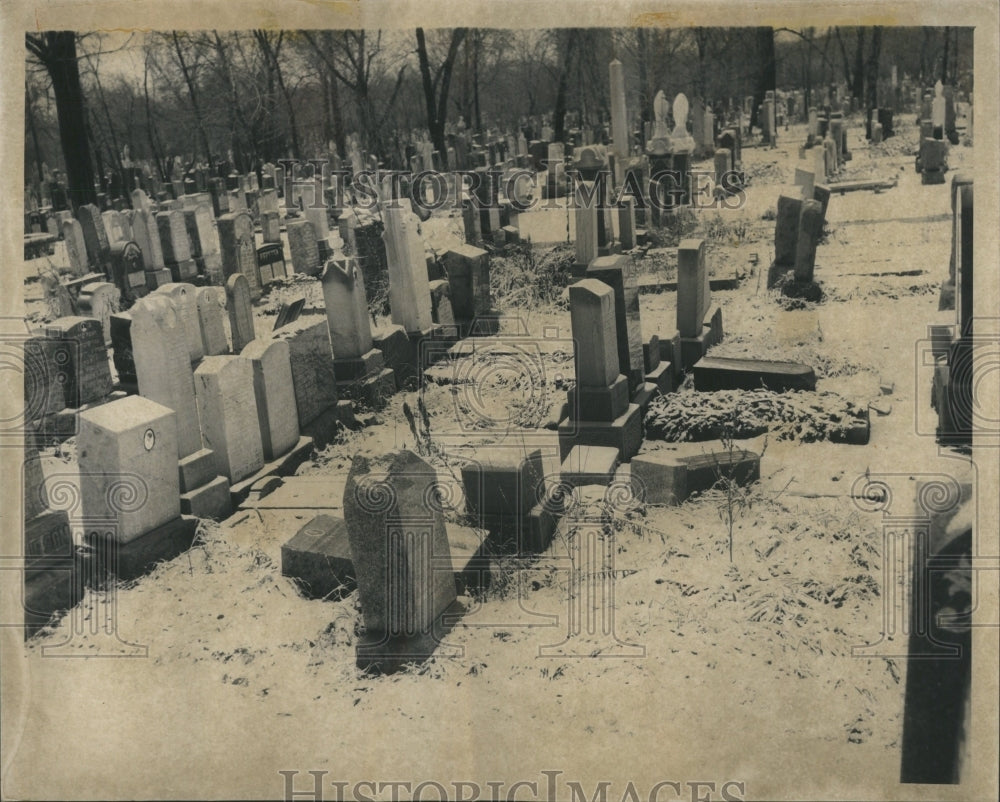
401, 555
409, 294
468, 271
786, 230
810, 230
127, 452
239, 250
94, 234
618, 273
241, 325
277, 418
76, 246
186, 306
585, 204
224, 386
100, 300
211, 305
163, 365
304, 247
311, 357
78, 344
270, 226
176, 245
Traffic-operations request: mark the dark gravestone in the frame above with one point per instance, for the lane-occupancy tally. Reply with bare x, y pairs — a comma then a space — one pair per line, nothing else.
240, 311
319, 558
121, 344
128, 270
618, 273
401, 556
81, 347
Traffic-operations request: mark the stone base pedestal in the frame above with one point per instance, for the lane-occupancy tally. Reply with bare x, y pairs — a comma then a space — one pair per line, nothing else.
212, 500
623, 433
662, 376
599, 403
381, 653
694, 348
128, 561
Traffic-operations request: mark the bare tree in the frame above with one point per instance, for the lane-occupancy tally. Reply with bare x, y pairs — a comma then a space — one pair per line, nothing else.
436, 87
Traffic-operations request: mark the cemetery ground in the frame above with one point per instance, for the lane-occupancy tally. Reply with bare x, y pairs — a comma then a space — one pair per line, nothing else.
748, 671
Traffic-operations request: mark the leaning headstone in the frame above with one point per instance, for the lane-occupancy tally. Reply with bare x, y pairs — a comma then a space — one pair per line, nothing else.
311, 357
163, 365
100, 300
79, 347
346, 308
211, 306
183, 297
240, 308
239, 251
277, 419
409, 294
76, 246
810, 229
224, 387
304, 247
128, 466
401, 555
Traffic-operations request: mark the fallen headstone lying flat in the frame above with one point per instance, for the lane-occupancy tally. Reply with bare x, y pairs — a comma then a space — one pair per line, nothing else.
723, 373
665, 478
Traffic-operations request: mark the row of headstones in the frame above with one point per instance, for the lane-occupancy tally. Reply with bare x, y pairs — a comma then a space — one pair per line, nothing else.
826, 143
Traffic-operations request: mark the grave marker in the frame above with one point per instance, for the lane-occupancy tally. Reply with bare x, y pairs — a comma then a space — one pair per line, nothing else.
240, 308
346, 308
239, 251
224, 386
277, 419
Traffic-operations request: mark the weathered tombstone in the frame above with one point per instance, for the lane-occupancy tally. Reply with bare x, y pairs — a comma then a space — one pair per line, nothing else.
128, 270
270, 226
211, 306
409, 294
271, 262
94, 234
115, 226
100, 300
311, 357
303, 246
693, 295
240, 308
626, 223
810, 229
346, 309
183, 298
468, 270
585, 203
401, 555
592, 315
786, 230
619, 274
239, 251
128, 466
76, 246
163, 366
277, 419
807, 180
79, 346
176, 245
148, 240
224, 387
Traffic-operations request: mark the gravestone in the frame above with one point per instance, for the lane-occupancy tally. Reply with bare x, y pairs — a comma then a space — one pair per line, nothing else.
211, 306
468, 270
303, 247
270, 226
224, 386
78, 346
241, 325
618, 273
346, 308
592, 313
311, 358
400, 550
94, 234
100, 300
115, 226
810, 229
239, 251
185, 305
786, 230
127, 452
76, 246
626, 223
693, 293
121, 346
176, 245
409, 293
128, 270
277, 419
586, 225
147, 237
163, 365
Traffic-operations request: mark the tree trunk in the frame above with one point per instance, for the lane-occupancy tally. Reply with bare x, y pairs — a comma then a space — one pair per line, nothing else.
64, 71
871, 70
436, 88
767, 77
202, 135
559, 115
858, 86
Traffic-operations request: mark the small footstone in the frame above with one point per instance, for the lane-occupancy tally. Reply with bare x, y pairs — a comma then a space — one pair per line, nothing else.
318, 557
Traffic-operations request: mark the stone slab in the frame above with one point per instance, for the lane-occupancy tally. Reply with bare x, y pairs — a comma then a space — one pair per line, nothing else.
318, 558
721, 373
